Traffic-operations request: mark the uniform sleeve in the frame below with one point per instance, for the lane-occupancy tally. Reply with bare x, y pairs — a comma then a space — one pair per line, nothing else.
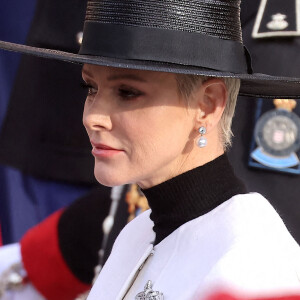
45, 265
60, 253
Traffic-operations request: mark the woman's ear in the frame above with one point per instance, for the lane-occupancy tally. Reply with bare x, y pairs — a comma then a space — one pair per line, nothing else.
212, 97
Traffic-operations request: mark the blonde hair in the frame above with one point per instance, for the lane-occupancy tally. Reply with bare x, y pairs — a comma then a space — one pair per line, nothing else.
186, 85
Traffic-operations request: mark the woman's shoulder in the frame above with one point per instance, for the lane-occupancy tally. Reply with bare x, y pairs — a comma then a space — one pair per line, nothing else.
251, 216
248, 244
246, 213
246, 218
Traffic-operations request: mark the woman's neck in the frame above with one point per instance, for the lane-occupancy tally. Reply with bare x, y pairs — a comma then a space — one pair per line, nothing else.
191, 195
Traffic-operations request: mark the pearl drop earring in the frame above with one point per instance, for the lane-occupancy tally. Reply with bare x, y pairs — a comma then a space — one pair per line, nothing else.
202, 141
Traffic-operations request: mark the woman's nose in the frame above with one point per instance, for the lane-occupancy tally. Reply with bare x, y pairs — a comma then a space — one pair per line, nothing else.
96, 116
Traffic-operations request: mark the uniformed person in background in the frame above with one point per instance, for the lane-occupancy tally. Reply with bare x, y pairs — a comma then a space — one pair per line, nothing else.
273, 39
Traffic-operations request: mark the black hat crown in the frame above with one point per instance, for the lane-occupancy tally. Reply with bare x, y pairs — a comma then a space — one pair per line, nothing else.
203, 33
219, 18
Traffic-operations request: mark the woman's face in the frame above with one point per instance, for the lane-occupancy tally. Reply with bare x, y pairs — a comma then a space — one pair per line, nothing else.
140, 129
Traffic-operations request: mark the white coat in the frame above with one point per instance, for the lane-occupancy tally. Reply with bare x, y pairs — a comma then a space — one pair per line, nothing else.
242, 245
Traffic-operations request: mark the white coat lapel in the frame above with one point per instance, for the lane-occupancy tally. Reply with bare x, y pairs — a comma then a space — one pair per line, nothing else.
121, 267
134, 273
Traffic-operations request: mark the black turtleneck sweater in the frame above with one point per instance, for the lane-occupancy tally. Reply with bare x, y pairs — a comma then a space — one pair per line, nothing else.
191, 194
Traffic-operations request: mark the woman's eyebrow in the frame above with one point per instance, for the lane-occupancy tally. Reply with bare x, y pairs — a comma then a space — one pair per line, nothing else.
126, 76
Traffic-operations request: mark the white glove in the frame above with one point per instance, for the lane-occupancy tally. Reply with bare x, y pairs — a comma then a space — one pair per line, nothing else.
10, 255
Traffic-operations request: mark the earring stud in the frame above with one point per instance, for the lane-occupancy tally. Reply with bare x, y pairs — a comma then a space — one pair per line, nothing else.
202, 141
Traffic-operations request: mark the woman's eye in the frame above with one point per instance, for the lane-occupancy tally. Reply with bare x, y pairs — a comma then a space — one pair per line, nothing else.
91, 90
128, 93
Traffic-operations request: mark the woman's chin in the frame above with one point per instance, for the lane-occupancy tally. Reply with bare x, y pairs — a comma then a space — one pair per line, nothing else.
109, 174
109, 181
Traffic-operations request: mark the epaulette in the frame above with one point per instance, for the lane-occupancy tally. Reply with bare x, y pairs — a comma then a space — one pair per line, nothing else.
277, 18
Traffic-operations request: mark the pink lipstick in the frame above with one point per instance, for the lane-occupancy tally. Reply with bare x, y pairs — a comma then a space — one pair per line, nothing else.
102, 150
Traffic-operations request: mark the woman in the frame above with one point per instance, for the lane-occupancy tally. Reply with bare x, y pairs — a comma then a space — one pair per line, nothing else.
144, 127
162, 78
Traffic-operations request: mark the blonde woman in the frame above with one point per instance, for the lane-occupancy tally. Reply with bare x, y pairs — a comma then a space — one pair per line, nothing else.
162, 80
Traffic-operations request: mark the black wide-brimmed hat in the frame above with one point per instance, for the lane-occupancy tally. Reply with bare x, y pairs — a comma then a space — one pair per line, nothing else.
201, 37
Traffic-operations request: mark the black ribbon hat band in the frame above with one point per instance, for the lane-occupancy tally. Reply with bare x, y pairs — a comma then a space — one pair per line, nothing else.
163, 45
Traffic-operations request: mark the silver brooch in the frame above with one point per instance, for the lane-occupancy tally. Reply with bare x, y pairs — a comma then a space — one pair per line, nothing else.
149, 294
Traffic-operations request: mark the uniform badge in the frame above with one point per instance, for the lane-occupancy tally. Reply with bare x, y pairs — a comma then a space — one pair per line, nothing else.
277, 138
275, 19
149, 294
278, 22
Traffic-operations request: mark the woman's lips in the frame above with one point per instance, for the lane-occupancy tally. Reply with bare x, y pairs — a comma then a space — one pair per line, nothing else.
101, 150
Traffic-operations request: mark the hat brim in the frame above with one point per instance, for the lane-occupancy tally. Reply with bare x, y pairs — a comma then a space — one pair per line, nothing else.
253, 85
